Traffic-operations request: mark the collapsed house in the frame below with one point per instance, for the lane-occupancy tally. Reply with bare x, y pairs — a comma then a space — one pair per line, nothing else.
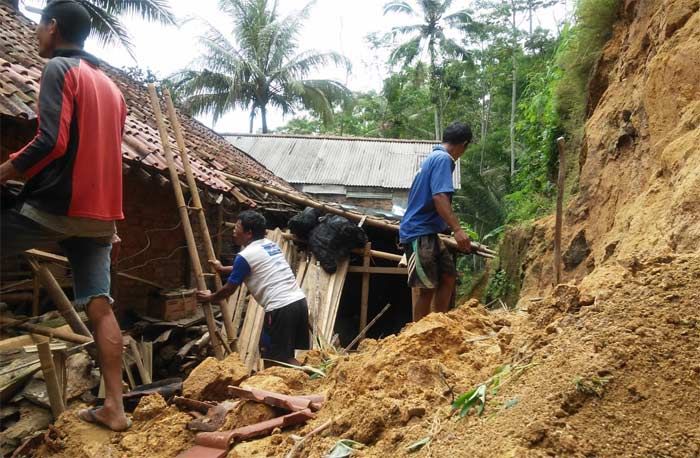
154, 273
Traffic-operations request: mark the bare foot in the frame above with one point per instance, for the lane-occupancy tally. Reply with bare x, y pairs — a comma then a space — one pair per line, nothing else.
103, 417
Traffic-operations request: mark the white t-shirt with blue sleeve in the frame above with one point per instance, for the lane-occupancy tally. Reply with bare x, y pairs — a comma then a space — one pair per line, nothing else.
266, 273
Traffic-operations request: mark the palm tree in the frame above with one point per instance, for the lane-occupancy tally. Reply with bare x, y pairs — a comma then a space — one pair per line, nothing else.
263, 69
105, 17
429, 35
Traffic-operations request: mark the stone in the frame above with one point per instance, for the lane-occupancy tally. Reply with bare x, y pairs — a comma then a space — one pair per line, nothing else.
577, 252
209, 380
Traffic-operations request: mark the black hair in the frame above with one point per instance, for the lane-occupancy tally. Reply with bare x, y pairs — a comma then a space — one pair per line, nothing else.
72, 19
457, 133
254, 222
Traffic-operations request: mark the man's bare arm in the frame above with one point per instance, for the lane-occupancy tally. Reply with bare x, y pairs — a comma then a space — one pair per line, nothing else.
444, 209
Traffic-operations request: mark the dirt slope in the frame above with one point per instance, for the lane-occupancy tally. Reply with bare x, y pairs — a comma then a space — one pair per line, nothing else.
605, 366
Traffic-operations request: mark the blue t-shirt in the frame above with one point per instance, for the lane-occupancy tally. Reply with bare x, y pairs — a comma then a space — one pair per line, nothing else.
434, 177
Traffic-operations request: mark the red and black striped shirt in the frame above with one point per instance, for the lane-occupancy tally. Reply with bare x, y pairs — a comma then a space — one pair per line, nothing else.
74, 163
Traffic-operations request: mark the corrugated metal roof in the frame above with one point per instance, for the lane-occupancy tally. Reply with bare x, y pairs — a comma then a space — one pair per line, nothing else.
348, 161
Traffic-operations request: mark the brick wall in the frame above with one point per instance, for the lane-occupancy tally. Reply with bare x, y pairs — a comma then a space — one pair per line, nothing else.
149, 206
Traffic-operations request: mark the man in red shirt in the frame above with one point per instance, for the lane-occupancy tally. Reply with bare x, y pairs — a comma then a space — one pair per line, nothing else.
73, 190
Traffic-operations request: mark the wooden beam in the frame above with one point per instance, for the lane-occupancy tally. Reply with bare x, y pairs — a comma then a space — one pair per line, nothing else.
302, 199
51, 257
364, 298
559, 214
58, 333
61, 301
378, 270
53, 386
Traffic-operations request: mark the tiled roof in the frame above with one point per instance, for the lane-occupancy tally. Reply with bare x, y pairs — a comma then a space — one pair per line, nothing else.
348, 161
210, 154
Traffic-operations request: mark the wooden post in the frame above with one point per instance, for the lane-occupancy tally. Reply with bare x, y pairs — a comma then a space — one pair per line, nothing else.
36, 290
145, 377
226, 310
60, 358
63, 304
365, 287
559, 216
52, 385
184, 217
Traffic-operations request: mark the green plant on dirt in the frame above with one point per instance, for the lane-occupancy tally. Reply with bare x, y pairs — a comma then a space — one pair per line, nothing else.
499, 286
476, 398
592, 386
345, 448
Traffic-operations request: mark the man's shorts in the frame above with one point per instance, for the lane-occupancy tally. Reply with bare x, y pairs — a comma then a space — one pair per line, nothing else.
428, 260
89, 257
284, 330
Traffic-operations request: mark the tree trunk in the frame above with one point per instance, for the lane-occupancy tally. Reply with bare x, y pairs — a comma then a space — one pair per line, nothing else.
515, 91
263, 115
252, 119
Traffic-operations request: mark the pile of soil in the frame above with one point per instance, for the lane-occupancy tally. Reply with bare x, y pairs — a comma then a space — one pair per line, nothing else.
605, 365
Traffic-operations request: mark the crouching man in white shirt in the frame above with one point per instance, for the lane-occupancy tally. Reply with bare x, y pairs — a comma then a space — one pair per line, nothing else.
264, 270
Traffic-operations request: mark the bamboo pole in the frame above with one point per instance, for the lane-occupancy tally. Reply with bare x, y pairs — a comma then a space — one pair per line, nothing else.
478, 249
63, 304
53, 387
184, 217
226, 309
560, 209
46, 331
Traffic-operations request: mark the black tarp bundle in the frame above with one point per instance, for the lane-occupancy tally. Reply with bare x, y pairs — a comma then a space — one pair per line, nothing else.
330, 238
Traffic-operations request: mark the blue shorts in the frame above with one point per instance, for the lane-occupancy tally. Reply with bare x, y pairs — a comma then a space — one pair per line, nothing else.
89, 257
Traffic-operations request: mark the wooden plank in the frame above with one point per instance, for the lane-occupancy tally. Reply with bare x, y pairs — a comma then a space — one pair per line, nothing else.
364, 298
334, 302
19, 342
240, 307
58, 333
250, 335
136, 354
378, 270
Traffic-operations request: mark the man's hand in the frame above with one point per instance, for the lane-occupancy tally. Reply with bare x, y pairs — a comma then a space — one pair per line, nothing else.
116, 249
463, 242
8, 171
204, 296
216, 265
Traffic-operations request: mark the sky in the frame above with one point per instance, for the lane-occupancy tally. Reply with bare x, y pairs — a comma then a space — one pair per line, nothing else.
333, 25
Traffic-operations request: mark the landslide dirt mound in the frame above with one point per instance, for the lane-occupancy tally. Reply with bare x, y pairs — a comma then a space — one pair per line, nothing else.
639, 186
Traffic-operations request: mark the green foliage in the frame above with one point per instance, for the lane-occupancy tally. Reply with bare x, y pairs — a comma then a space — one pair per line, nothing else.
260, 67
473, 399
109, 29
419, 444
499, 286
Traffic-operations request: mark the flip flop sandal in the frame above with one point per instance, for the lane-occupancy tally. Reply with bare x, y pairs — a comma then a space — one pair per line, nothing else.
88, 416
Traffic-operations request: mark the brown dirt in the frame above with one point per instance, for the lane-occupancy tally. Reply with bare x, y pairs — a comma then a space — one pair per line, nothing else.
209, 380
609, 362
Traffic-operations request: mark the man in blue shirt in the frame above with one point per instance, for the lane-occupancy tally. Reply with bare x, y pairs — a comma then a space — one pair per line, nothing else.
429, 213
